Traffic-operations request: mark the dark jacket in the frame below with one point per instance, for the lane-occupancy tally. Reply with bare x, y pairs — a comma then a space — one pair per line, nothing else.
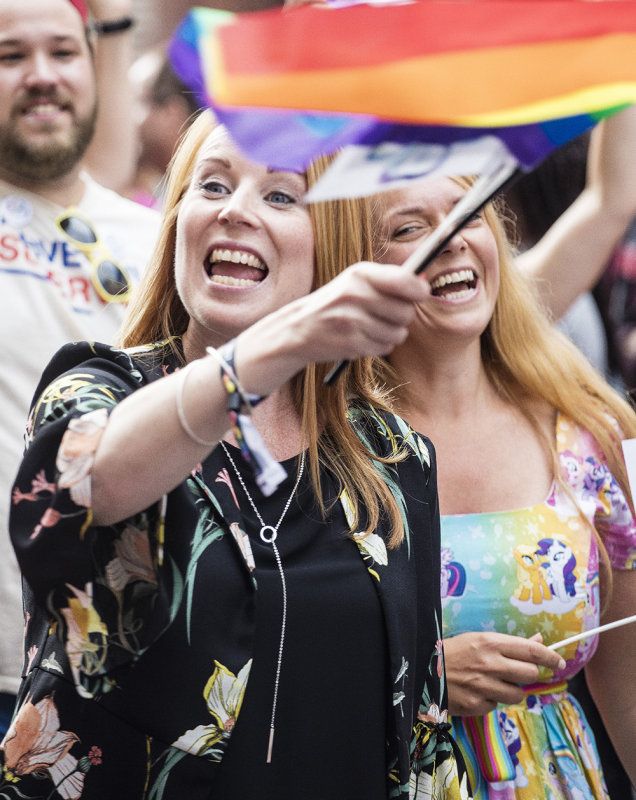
134, 669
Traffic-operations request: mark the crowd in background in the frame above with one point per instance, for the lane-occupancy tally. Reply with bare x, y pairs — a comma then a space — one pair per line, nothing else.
102, 201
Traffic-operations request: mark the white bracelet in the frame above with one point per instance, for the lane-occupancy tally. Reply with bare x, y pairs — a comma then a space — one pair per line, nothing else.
180, 413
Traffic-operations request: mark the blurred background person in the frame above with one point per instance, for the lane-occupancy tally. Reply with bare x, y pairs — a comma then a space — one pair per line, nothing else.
165, 107
110, 156
70, 250
571, 212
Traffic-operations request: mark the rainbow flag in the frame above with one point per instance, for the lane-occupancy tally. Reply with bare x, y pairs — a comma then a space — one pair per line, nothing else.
291, 84
184, 48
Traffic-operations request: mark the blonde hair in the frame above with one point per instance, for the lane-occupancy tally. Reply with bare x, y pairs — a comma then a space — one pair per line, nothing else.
156, 313
527, 359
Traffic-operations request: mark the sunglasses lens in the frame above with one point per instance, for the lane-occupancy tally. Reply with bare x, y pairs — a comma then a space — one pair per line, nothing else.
79, 230
112, 278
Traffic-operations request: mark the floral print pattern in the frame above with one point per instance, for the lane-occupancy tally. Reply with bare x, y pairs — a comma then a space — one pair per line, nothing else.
35, 744
223, 694
137, 648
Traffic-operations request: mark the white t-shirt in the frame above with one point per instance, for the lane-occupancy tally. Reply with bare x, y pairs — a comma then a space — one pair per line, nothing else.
47, 299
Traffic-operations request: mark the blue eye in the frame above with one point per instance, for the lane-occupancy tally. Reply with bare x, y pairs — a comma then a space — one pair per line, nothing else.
214, 187
280, 198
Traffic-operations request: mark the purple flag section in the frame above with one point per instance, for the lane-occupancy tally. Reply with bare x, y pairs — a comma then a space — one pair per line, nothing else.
292, 139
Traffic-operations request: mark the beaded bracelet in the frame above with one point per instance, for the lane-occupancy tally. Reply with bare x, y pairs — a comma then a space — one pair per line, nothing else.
268, 472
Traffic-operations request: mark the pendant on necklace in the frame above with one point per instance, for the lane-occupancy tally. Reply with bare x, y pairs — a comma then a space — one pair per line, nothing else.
268, 534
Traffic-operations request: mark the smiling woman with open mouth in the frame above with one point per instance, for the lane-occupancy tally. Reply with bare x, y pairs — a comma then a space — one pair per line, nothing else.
225, 556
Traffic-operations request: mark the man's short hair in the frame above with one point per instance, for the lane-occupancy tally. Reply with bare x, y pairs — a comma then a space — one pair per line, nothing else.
168, 85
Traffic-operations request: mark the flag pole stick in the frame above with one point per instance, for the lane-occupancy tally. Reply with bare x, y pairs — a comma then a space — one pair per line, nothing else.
483, 190
480, 193
593, 631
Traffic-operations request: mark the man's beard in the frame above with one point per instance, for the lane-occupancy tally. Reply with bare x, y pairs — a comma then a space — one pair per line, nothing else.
43, 162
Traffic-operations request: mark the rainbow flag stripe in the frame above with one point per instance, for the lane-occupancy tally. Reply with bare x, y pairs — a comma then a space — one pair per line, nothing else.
184, 48
471, 63
293, 83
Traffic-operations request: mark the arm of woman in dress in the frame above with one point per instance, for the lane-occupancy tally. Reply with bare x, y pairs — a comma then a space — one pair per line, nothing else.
611, 674
112, 154
364, 311
486, 668
572, 255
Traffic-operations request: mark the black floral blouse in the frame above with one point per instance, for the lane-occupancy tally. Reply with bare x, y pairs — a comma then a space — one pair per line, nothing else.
136, 665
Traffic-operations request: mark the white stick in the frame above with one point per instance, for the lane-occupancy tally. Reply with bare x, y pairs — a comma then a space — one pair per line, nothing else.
616, 624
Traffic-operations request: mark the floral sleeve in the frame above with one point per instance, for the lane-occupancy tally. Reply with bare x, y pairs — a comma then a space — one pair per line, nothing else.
95, 583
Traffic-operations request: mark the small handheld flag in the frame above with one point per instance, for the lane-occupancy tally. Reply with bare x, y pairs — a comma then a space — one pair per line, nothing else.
292, 84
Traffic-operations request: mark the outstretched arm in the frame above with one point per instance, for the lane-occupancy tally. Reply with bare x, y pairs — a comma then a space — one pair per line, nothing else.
572, 255
112, 154
365, 311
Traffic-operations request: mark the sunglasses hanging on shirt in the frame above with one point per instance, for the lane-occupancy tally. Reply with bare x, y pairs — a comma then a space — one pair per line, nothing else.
109, 278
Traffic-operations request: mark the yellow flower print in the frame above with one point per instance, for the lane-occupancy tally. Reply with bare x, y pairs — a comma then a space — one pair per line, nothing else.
87, 635
443, 784
345, 501
373, 546
372, 549
64, 387
223, 694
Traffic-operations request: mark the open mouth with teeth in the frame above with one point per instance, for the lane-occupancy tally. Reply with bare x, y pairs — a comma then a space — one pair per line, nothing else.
43, 109
38, 106
454, 285
235, 268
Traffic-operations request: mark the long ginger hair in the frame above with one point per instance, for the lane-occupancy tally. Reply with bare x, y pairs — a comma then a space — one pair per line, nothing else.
156, 313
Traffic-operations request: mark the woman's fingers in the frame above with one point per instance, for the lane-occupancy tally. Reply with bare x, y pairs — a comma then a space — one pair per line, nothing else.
484, 669
365, 311
370, 307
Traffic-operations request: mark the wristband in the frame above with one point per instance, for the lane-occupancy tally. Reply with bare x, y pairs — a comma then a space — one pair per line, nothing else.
112, 26
238, 399
268, 472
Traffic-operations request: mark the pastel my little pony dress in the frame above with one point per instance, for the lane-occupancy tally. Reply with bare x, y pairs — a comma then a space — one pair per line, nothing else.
536, 570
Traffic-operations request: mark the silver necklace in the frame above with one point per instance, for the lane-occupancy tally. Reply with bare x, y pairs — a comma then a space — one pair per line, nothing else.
269, 534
